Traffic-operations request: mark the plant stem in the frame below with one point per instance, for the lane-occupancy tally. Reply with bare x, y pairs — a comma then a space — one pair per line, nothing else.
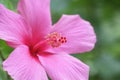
2, 57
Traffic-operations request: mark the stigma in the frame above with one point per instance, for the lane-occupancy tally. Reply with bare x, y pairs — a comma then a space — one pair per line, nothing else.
55, 39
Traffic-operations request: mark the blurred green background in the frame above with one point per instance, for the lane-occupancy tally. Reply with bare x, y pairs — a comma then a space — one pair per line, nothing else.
104, 15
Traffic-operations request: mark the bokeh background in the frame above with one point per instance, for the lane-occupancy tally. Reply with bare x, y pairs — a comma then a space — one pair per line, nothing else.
104, 15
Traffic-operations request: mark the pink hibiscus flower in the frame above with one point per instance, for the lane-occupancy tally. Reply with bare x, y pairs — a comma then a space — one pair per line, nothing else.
42, 49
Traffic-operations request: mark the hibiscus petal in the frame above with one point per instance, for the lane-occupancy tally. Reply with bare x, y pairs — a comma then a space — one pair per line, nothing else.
64, 67
12, 27
37, 14
79, 33
22, 66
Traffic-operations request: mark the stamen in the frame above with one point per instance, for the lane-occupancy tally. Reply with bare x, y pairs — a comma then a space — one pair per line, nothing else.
55, 39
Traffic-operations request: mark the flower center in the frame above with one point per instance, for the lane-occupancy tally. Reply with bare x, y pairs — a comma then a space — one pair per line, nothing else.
55, 39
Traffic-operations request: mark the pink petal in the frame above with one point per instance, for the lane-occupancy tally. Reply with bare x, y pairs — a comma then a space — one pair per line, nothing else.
79, 33
12, 27
22, 66
37, 14
64, 67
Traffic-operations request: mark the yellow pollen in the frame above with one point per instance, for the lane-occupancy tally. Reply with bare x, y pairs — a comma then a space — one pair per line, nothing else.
55, 39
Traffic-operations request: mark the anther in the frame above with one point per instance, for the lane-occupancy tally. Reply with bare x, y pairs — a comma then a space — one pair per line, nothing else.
55, 39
